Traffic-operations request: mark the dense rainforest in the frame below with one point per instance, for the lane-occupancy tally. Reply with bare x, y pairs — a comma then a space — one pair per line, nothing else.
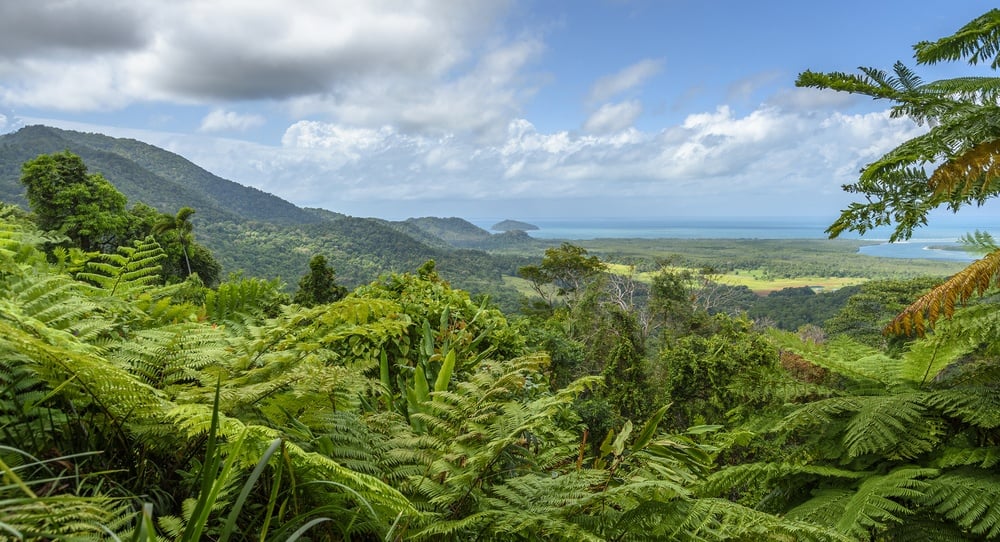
147, 395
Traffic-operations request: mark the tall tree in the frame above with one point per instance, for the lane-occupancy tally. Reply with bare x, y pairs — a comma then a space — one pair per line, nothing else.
319, 285
181, 224
564, 271
65, 198
961, 148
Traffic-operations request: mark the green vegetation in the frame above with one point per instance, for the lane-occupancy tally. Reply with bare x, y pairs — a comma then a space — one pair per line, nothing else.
636, 397
512, 225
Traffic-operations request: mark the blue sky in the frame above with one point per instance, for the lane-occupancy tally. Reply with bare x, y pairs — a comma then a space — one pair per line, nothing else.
485, 108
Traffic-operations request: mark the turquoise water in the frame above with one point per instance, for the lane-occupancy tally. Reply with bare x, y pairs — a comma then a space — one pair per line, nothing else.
943, 232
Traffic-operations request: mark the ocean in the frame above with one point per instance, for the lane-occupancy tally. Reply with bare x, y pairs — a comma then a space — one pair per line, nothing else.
944, 232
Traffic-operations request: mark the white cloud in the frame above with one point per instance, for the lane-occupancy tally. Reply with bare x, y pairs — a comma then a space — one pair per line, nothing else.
613, 117
718, 159
632, 76
767, 160
439, 66
219, 120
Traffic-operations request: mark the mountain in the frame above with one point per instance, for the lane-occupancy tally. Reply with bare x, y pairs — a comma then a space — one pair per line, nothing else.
513, 225
261, 234
145, 173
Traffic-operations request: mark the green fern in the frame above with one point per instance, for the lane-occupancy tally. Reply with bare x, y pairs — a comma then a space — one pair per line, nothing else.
970, 498
878, 502
129, 271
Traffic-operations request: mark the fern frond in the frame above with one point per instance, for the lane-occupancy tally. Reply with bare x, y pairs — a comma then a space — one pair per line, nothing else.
976, 279
970, 498
867, 366
927, 360
971, 172
892, 426
762, 474
60, 358
241, 302
719, 519
877, 502
928, 528
127, 272
976, 42
978, 406
172, 354
968, 456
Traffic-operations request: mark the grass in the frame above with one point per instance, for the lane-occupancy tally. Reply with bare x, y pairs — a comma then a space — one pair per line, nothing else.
756, 280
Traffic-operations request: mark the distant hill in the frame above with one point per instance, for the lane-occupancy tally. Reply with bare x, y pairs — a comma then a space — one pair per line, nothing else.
259, 233
513, 225
452, 230
147, 174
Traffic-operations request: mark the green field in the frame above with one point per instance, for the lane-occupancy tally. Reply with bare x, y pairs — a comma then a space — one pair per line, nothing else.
763, 265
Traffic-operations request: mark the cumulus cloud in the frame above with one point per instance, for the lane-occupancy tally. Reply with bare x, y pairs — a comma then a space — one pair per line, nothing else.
613, 117
219, 120
441, 66
632, 76
770, 159
718, 158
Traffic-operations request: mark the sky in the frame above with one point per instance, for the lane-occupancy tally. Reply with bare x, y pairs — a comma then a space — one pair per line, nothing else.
484, 108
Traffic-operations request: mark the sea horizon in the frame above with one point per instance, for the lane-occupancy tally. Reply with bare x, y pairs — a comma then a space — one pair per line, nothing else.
944, 232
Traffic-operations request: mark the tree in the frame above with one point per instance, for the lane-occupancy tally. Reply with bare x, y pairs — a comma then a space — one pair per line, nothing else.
319, 285
181, 224
962, 146
176, 234
567, 269
66, 199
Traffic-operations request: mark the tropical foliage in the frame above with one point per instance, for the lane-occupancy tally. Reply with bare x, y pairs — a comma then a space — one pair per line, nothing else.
138, 401
961, 147
403, 411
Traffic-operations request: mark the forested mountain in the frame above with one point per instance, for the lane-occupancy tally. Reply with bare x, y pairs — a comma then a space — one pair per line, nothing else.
250, 230
147, 174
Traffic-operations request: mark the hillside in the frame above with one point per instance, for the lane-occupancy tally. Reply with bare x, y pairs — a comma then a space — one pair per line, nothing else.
147, 174
258, 233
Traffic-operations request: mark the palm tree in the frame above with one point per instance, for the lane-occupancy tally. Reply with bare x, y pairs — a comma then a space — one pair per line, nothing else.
180, 223
962, 145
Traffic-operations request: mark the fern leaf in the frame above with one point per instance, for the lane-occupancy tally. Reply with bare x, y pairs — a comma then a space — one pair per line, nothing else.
976, 279
978, 406
876, 503
892, 426
127, 272
970, 498
976, 41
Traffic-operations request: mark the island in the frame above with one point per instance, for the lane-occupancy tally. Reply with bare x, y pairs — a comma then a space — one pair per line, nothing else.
513, 225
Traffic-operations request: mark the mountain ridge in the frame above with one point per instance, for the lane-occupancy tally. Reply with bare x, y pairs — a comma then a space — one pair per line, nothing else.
251, 230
